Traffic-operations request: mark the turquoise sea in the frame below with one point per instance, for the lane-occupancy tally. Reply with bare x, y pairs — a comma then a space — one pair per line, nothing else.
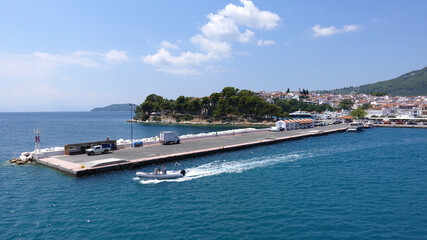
367, 185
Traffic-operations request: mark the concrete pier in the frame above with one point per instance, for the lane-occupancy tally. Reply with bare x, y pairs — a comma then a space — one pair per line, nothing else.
83, 165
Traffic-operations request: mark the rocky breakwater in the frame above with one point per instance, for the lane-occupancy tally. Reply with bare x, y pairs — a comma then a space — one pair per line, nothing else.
26, 157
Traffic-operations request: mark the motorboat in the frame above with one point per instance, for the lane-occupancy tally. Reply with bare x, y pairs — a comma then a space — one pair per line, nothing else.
367, 125
161, 174
355, 127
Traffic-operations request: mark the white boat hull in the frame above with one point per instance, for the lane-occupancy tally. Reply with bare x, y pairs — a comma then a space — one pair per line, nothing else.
168, 175
355, 127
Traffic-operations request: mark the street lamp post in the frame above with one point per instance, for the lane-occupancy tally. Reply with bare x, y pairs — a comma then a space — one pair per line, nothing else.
131, 127
232, 124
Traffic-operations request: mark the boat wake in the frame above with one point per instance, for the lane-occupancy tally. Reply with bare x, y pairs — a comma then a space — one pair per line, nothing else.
224, 167
229, 167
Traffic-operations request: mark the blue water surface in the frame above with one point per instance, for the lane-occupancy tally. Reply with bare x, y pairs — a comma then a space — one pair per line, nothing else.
368, 185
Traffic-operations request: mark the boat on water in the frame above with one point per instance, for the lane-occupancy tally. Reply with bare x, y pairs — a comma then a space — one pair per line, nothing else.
367, 125
355, 127
159, 176
162, 173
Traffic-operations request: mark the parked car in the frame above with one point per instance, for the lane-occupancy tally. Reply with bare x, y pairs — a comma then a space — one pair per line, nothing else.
98, 149
411, 123
273, 129
385, 122
398, 122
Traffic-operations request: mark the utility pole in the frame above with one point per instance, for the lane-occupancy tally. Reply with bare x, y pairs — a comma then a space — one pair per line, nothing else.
232, 124
131, 126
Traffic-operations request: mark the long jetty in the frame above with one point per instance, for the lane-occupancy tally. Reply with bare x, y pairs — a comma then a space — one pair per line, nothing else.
130, 158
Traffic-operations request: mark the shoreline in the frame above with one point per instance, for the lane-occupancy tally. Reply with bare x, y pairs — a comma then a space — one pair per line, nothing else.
189, 123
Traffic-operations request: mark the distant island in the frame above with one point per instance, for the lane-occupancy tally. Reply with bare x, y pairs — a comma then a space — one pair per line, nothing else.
114, 108
409, 84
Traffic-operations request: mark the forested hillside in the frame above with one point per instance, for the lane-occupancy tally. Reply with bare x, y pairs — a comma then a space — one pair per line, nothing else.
410, 84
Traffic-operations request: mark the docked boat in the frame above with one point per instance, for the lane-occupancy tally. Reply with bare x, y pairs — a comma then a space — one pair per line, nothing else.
161, 174
301, 115
355, 127
367, 125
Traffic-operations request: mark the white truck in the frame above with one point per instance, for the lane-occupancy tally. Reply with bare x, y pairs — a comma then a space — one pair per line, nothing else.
98, 149
168, 137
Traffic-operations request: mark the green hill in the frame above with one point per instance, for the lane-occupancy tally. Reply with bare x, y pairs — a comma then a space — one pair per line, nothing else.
114, 107
410, 84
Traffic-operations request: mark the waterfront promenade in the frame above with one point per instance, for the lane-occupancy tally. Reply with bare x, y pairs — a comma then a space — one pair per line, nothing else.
83, 165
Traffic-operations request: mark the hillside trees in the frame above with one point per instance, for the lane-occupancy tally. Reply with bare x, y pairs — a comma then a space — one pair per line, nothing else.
346, 104
229, 103
358, 113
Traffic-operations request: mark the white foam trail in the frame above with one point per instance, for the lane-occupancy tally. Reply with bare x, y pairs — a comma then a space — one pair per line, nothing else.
224, 166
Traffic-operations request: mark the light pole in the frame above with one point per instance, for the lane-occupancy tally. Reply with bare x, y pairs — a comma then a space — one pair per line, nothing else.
232, 124
131, 126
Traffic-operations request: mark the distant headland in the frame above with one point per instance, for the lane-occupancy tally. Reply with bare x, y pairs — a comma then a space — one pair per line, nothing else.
113, 108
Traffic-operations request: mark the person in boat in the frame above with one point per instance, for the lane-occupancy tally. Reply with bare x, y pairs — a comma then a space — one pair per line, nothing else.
156, 171
164, 169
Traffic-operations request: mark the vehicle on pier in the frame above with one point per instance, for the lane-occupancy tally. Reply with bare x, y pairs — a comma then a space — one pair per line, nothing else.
168, 137
98, 149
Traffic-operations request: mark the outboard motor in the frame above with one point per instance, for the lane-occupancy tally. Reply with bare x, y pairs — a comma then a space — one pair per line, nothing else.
183, 172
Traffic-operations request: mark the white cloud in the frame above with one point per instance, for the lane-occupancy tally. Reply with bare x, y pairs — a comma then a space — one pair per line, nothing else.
41, 65
350, 28
220, 48
168, 45
216, 39
249, 15
262, 42
223, 28
182, 64
319, 31
116, 56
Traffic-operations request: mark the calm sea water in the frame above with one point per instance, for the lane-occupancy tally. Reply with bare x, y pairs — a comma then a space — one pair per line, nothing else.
368, 185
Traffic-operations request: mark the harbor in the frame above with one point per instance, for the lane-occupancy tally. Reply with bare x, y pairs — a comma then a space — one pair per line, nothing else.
130, 158
400, 125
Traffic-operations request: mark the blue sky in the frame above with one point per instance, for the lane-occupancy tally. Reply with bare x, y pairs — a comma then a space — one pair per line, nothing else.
77, 55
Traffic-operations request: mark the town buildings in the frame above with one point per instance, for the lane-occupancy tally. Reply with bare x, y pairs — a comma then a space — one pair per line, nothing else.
380, 106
